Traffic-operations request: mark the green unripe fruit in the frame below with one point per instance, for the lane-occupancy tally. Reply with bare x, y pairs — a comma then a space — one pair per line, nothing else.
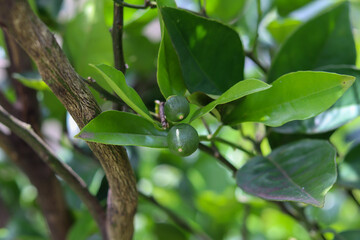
176, 108
183, 139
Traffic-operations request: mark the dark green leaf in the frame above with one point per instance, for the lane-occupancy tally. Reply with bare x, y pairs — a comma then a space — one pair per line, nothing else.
205, 66
121, 128
348, 235
349, 169
302, 172
294, 96
285, 7
169, 75
237, 91
344, 110
325, 40
116, 81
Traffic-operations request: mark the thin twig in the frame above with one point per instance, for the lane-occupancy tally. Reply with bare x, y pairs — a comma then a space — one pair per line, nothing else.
218, 156
178, 220
108, 96
25, 132
147, 4
221, 140
256, 61
117, 36
352, 196
259, 13
202, 8
162, 117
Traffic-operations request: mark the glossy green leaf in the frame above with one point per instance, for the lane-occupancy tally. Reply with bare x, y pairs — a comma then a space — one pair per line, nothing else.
325, 40
116, 81
33, 81
348, 235
169, 75
344, 110
294, 96
237, 91
205, 66
285, 7
122, 128
301, 172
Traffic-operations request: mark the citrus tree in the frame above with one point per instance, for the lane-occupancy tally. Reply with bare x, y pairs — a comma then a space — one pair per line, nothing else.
187, 120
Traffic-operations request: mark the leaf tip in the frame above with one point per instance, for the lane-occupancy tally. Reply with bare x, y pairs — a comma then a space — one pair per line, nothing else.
84, 135
347, 81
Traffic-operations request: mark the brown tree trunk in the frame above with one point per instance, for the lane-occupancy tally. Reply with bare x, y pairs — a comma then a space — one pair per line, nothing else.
17, 19
50, 194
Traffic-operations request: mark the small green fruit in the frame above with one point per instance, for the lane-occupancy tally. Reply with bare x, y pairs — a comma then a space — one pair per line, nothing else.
183, 139
176, 108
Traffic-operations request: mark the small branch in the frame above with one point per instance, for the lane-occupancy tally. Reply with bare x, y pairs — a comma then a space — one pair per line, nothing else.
221, 140
108, 96
256, 144
256, 61
25, 132
161, 116
259, 13
147, 4
218, 156
352, 196
117, 36
178, 220
202, 8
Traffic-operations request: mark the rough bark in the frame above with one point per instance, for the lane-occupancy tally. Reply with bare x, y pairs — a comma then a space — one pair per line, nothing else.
18, 20
50, 194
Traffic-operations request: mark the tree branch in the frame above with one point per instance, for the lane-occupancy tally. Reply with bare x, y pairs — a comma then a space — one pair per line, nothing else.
50, 193
25, 132
178, 220
147, 4
117, 37
219, 157
17, 19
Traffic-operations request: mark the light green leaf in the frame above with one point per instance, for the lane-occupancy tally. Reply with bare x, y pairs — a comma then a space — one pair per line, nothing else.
205, 66
281, 29
116, 81
344, 110
303, 172
325, 40
294, 96
237, 91
122, 128
31, 81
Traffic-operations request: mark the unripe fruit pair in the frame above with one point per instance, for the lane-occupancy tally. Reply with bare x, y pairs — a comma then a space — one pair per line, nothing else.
182, 139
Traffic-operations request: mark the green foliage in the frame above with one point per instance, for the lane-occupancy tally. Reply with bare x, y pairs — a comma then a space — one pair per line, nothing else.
116, 81
197, 42
325, 40
121, 128
277, 129
294, 96
302, 172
